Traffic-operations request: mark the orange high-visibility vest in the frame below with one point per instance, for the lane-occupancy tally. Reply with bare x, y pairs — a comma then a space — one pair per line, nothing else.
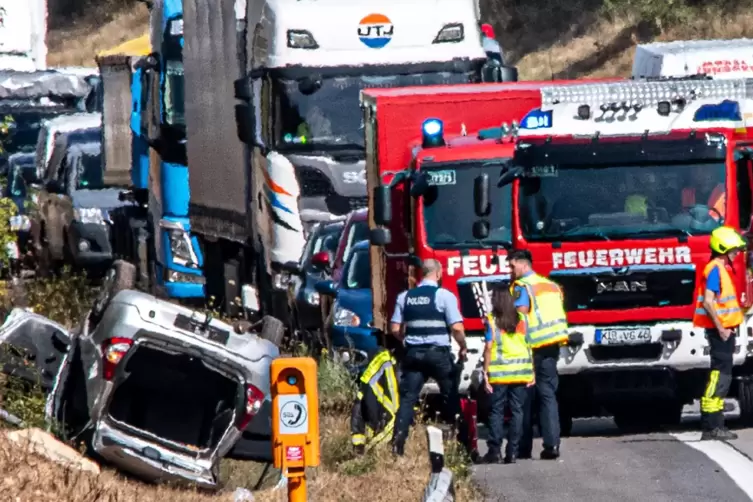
725, 304
716, 201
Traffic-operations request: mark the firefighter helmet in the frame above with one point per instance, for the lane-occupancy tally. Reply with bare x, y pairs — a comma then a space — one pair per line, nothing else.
725, 239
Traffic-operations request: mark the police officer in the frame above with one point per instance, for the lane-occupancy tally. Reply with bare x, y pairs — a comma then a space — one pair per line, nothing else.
423, 319
718, 311
540, 300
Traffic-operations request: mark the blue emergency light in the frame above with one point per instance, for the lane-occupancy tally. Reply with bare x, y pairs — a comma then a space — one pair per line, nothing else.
726, 110
433, 130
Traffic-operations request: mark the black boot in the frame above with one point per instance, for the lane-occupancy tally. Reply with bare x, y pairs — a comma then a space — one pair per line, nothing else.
510, 458
550, 453
491, 457
398, 448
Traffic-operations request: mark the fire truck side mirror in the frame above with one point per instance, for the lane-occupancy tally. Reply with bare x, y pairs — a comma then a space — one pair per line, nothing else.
380, 236
481, 195
420, 185
382, 205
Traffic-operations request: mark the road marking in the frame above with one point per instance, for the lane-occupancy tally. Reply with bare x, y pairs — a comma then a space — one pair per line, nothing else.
735, 464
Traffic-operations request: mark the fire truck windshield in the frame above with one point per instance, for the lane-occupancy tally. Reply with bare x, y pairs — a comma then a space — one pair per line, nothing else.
326, 115
448, 211
576, 203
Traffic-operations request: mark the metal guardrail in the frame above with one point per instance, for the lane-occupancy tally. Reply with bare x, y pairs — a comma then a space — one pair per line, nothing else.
440, 487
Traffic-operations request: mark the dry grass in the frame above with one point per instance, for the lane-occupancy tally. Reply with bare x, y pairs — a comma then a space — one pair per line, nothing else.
375, 477
77, 41
607, 48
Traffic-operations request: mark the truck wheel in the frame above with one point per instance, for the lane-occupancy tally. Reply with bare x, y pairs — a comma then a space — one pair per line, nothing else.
745, 399
121, 276
273, 330
566, 423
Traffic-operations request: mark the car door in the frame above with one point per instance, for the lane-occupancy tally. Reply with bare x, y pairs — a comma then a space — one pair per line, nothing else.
54, 218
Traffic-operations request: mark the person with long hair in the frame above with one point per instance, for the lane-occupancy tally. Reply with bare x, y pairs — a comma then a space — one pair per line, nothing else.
508, 371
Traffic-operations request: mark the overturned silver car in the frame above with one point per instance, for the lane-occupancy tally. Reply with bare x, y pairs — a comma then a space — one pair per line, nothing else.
162, 391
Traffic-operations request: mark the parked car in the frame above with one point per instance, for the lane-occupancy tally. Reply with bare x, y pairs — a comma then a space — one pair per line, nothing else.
356, 229
74, 208
52, 128
21, 177
162, 391
349, 325
312, 268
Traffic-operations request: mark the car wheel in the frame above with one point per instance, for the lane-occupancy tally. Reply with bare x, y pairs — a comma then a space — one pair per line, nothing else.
273, 330
121, 276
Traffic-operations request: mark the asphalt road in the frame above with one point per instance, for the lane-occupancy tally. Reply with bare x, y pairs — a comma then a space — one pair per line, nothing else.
601, 464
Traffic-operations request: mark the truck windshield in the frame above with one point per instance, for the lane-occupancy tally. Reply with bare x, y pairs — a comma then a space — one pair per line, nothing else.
448, 210
329, 117
174, 93
89, 173
576, 203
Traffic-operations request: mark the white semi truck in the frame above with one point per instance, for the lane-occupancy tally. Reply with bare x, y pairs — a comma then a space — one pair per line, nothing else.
23, 35
299, 65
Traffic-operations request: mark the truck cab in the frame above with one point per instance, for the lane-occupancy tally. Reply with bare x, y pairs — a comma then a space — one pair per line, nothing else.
306, 72
176, 259
424, 154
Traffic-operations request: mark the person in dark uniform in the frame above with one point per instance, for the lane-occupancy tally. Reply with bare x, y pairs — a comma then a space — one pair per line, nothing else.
541, 302
718, 312
423, 319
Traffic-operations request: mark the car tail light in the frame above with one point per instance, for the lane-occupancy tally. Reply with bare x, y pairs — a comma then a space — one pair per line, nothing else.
254, 401
113, 351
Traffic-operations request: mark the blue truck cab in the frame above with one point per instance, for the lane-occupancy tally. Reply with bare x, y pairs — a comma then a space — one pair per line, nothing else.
177, 258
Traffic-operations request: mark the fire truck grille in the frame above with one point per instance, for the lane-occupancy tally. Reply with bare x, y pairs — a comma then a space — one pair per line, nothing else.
628, 287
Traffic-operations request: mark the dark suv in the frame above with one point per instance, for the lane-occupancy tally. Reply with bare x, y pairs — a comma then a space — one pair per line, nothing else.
74, 209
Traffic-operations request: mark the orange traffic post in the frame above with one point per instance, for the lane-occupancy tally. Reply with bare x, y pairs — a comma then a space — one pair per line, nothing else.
295, 421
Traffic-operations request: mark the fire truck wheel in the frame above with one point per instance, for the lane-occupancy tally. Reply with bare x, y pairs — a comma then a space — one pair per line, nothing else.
745, 400
566, 423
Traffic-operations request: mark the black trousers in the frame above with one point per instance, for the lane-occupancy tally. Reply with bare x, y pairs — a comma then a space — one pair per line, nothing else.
719, 382
420, 363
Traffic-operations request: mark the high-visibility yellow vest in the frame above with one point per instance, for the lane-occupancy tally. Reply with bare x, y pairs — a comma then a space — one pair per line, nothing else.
511, 360
547, 321
726, 304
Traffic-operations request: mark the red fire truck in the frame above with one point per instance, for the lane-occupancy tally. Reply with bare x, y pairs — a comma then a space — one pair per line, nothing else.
394, 120
614, 187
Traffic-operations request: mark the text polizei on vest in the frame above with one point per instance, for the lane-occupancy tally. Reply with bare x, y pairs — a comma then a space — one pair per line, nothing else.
418, 300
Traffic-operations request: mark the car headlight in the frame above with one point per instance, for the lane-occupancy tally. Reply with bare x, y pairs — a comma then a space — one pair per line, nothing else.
20, 223
313, 298
90, 215
180, 247
350, 357
280, 281
345, 317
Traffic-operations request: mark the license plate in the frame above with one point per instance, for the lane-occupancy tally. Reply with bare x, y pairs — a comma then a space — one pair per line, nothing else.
623, 336
198, 328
